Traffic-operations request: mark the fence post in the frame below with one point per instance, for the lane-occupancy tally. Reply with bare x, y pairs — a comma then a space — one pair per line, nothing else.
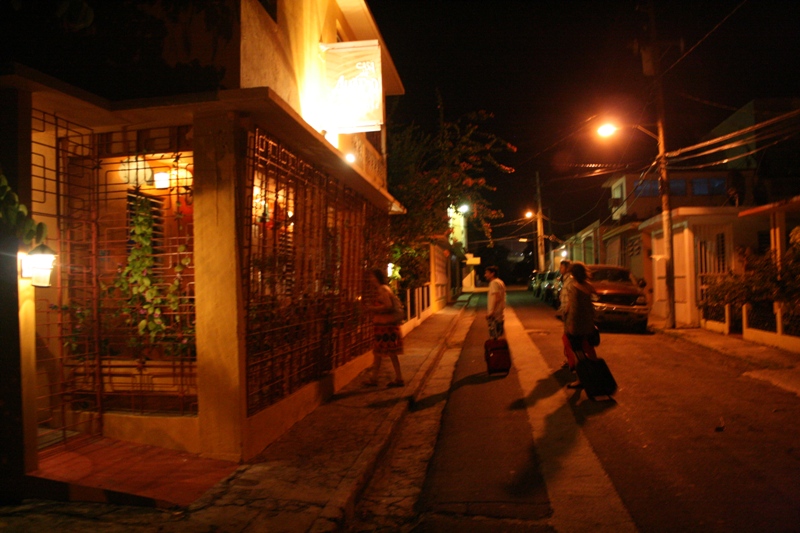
745, 312
777, 308
727, 319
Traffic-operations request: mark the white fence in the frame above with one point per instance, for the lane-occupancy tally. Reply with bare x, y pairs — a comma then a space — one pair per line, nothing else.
766, 324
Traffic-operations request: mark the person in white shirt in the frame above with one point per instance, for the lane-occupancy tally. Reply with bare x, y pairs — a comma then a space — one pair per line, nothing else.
496, 304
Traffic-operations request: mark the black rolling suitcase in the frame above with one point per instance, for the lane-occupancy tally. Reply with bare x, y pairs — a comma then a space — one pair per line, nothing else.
497, 355
595, 376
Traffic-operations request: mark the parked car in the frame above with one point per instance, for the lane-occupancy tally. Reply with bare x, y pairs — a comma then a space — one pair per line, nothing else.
548, 287
536, 282
541, 282
557, 286
620, 297
532, 280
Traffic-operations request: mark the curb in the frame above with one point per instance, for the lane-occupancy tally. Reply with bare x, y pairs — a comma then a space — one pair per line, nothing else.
440, 349
341, 507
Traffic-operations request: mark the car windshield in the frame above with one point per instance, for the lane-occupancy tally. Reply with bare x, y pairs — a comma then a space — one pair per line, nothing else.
611, 274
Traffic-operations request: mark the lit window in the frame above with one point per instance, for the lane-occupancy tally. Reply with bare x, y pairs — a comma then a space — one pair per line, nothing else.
677, 187
648, 188
709, 186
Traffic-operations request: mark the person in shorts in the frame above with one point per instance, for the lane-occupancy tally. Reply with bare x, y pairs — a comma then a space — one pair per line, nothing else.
496, 303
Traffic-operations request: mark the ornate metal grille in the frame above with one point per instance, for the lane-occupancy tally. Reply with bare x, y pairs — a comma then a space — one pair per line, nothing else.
144, 224
91, 353
308, 242
67, 363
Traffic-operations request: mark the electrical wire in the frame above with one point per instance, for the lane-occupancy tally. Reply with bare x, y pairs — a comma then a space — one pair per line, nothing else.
747, 141
706, 36
732, 158
770, 122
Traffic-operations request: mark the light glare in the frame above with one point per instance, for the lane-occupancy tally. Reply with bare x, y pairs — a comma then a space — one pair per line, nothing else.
606, 130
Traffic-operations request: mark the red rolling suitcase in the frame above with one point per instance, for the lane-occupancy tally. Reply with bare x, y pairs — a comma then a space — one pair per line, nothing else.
498, 356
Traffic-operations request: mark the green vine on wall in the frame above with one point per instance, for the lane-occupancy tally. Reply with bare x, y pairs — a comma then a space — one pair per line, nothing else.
147, 304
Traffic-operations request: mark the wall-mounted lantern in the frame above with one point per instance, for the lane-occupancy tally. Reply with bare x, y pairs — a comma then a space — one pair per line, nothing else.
176, 177
37, 265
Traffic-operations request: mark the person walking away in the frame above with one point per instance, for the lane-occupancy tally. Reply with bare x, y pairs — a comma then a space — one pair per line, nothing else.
386, 319
496, 304
578, 317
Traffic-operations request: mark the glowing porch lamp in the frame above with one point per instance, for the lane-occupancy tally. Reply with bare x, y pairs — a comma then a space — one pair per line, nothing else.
161, 180
178, 176
37, 265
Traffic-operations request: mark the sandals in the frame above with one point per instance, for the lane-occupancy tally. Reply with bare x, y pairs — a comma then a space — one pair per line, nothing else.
575, 385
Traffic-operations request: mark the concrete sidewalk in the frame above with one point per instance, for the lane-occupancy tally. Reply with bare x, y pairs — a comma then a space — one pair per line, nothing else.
310, 478
782, 368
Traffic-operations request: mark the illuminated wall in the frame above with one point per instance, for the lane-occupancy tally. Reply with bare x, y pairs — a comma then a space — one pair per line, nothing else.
286, 56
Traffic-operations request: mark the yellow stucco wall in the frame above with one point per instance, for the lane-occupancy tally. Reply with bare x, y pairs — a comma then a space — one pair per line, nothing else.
265, 57
27, 341
286, 56
221, 384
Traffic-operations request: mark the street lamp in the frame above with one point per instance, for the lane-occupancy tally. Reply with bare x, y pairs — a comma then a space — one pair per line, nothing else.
666, 212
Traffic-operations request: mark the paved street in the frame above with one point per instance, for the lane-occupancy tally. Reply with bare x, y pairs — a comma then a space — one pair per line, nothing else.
695, 441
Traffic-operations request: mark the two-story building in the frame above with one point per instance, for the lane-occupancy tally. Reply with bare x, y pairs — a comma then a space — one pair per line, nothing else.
212, 247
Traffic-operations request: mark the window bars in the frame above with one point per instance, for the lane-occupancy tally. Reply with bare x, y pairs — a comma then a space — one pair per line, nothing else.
308, 243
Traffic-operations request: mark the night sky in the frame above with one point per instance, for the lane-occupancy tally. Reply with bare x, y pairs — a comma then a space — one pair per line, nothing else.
544, 67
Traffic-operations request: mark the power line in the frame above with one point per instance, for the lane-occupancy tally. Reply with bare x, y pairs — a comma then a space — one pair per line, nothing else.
715, 28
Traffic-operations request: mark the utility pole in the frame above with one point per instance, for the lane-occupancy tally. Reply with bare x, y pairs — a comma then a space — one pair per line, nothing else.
663, 180
539, 224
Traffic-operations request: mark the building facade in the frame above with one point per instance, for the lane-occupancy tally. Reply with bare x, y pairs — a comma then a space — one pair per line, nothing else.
212, 247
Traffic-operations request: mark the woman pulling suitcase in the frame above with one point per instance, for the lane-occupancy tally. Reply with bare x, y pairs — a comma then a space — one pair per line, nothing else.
593, 373
578, 314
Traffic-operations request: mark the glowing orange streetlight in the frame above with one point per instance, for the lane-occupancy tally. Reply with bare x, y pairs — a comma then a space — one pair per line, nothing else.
606, 130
